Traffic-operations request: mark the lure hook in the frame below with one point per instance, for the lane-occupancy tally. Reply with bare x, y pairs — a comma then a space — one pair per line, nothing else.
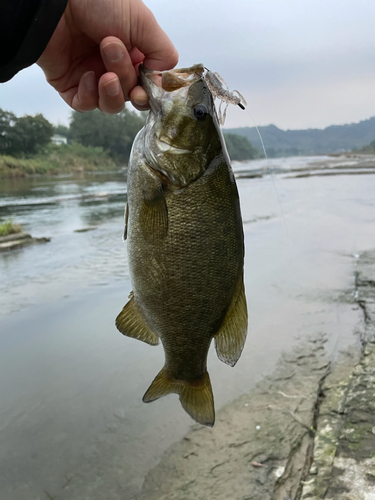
216, 85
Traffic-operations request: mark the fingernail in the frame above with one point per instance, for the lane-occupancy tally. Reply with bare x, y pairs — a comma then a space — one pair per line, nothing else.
90, 80
112, 87
140, 100
113, 52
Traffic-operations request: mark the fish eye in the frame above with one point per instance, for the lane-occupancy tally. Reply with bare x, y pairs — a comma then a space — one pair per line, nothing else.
200, 112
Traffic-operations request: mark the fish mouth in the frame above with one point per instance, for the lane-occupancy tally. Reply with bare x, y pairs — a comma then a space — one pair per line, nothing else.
169, 80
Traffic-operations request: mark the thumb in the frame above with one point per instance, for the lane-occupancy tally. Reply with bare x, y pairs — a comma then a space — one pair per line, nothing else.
148, 37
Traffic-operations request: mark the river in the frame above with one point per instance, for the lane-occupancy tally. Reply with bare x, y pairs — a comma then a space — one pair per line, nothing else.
72, 423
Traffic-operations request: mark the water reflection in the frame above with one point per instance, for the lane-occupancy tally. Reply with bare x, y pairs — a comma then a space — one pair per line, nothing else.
56, 208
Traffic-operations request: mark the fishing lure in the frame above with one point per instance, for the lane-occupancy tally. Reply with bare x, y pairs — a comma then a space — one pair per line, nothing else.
216, 85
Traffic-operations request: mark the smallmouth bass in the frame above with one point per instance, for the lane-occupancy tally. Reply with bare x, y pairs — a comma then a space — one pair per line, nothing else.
185, 240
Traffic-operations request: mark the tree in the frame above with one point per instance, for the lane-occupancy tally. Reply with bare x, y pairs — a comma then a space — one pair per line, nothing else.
25, 135
7, 121
114, 133
62, 130
239, 147
33, 132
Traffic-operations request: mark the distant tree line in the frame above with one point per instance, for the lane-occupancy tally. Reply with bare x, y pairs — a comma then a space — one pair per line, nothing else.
369, 148
114, 133
239, 147
333, 139
26, 136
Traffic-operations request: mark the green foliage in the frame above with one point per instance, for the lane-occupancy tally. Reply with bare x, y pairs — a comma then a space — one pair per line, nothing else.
73, 157
57, 159
95, 154
33, 132
7, 122
113, 133
9, 227
26, 147
16, 167
62, 130
239, 147
23, 136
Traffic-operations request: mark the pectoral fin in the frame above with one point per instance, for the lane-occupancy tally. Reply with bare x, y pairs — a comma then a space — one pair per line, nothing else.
130, 323
154, 219
154, 211
230, 339
196, 397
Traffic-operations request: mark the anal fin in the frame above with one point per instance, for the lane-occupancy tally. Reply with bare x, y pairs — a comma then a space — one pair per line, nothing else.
196, 397
130, 323
230, 339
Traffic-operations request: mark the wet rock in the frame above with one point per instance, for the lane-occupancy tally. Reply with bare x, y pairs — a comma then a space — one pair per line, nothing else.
18, 240
85, 229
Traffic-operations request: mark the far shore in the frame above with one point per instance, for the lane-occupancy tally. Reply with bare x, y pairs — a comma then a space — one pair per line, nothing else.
53, 164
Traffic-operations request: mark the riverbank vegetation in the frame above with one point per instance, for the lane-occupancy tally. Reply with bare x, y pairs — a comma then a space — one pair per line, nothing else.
9, 227
94, 141
113, 133
56, 160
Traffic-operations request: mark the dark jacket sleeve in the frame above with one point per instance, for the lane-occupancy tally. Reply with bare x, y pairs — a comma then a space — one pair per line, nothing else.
26, 27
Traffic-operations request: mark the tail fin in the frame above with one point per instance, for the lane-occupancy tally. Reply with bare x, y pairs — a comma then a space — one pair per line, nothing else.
196, 397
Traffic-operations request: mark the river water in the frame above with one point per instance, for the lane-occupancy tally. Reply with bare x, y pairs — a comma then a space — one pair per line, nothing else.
72, 423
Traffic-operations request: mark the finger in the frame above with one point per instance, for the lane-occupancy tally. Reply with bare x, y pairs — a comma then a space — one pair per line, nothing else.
117, 60
139, 99
78, 88
111, 96
86, 96
136, 56
152, 41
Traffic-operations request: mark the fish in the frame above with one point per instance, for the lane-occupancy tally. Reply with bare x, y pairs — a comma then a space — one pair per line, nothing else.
185, 240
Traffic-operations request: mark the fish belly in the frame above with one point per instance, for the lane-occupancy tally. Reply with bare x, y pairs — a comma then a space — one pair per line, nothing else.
184, 281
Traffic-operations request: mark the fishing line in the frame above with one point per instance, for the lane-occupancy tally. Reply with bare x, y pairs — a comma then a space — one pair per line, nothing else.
219, 88
274, 184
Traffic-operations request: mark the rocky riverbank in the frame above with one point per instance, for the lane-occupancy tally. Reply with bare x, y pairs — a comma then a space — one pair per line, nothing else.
344, 453
18, 240
305, 432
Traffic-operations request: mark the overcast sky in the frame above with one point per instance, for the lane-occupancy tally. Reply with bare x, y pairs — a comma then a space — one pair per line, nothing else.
299, 63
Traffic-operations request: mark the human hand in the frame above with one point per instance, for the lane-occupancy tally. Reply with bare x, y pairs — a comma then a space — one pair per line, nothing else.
93, 55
